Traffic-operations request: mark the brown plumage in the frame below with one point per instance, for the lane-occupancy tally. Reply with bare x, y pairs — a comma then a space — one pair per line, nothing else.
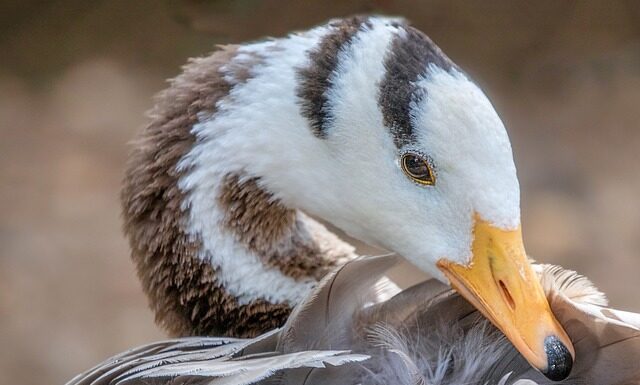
274, 232
182, 288
315, 78
398, 90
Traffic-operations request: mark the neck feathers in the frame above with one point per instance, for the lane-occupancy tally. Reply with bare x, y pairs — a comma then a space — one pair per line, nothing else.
216, 252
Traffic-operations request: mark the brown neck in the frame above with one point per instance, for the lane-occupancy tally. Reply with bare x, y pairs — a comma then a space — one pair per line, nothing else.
186, 290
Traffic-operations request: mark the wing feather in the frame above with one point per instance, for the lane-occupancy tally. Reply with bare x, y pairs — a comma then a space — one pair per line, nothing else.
350, 331
324, 320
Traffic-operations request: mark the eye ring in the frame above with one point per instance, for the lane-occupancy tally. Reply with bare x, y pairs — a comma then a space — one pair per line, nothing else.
418, 168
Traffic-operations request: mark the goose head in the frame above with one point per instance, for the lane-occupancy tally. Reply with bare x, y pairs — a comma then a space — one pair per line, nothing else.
366, 124
407, 153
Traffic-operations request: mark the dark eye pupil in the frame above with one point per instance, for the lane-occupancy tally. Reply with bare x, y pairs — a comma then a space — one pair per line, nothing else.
417, 167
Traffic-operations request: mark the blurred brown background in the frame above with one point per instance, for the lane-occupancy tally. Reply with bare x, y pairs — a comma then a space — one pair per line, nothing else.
76, 77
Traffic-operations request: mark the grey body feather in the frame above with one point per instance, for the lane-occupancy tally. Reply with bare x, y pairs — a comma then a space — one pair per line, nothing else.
348, 332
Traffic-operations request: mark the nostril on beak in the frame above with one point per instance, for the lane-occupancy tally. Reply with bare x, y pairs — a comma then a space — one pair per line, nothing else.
507, 296
559, 360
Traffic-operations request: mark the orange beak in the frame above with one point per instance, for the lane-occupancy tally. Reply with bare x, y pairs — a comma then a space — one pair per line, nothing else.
501, 284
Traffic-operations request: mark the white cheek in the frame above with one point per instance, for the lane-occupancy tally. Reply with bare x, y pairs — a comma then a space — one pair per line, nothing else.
422, 223
426, 224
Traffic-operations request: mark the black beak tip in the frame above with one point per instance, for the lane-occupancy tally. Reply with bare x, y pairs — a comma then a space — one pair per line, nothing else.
559, 360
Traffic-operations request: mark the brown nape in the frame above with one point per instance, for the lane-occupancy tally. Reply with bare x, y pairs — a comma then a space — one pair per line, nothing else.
283, 238
183, 290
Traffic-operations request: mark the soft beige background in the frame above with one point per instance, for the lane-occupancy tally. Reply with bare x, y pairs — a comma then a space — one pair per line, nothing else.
76, 77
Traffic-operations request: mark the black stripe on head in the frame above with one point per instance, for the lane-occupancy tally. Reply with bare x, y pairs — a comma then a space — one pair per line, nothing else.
408, 59
315, 78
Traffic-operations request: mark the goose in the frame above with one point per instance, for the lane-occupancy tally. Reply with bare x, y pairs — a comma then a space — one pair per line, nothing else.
362, 122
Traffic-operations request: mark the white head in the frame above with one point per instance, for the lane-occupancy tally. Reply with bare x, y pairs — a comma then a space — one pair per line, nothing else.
391, 93
371, 195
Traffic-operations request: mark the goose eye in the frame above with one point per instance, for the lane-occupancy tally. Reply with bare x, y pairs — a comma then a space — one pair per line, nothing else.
417, 168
